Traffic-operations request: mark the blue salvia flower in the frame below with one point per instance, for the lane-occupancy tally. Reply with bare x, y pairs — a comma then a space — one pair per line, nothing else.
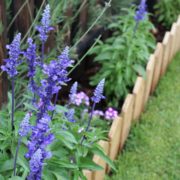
98, 93
25, 126
13, 61
36, 164
40, 138
31, 58
96, 98
32, 62
141, 12
64, 59
55, 76
70, 115
73, 92
45, 27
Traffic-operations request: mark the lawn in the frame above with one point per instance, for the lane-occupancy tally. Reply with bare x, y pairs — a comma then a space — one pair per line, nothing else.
152, 151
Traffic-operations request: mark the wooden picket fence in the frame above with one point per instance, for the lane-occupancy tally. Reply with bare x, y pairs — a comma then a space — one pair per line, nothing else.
135, 103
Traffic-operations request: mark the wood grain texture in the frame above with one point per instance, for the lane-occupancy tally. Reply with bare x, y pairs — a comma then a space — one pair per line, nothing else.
99, 175
173, 45
115, 137
166, 54
138, 91
149, 76
127, 116
88, 174
158, 63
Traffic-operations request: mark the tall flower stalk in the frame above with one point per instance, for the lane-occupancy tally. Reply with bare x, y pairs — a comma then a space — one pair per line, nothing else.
23, 131
10, 67
97, 97
140, 14
44, 28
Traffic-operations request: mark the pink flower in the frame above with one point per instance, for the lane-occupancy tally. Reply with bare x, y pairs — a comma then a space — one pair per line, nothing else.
81, 98
111, 113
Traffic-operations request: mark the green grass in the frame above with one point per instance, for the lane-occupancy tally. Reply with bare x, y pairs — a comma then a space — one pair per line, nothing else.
152, 151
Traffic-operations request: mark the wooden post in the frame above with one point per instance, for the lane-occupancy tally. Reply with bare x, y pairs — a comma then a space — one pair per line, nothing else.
173, 35
178, 36
158, 63
88, 174
127, 115
166, 54
24, 19
138, 91
99, 175
3, 77
149, 76
115, 137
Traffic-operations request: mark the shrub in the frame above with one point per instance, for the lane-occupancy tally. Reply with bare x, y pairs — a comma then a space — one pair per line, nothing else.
167, 11
124, 55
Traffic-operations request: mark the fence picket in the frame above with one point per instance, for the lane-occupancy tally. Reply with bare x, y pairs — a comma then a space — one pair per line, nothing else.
158, 63
138, 91
99, 175
127, 115
115, 137
149, 76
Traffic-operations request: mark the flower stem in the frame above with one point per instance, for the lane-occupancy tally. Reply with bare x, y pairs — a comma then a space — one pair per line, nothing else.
55, 101
12, 107
16, 155
89, 121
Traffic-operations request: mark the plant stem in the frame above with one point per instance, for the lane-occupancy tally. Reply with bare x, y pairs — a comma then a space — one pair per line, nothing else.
55, 101
12, 107
16, 156
89, 121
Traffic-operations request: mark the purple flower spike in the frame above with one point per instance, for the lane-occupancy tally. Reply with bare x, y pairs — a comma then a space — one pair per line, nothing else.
25, 126
45, 27
31, 58
73, 92
98, 93
111, 114
30, 55
12, 62
141, 12
70, 115
36, 166
64, 59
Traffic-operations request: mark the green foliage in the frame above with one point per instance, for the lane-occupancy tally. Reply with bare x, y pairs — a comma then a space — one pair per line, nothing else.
70, 157
152, 150
123, 56
167, 11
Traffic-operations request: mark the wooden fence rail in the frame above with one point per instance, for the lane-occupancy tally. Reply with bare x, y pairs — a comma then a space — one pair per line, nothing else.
134, 104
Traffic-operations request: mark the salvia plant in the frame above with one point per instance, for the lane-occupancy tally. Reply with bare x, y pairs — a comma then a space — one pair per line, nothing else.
167, 11
124, 55
51, 141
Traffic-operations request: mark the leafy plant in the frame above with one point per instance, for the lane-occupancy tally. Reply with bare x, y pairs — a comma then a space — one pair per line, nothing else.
167, 11
124, 55
38, 133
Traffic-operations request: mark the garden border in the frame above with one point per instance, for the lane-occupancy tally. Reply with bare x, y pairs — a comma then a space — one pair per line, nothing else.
135, 103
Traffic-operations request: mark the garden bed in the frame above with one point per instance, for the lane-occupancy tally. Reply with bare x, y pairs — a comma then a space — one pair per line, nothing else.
74, 137
135, 103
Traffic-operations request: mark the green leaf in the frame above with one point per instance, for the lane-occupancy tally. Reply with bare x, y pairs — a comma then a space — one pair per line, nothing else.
1, 177
67, 136
7, 165
89, 164
98, 151
140, 70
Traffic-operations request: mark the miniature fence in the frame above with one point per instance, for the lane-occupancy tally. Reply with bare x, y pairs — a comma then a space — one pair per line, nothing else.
135, 103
